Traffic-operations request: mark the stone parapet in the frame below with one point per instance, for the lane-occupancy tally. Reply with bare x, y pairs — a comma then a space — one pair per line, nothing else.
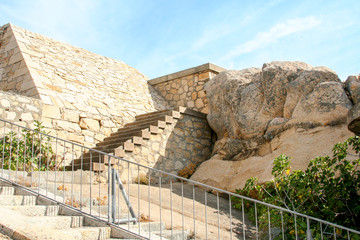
186, 88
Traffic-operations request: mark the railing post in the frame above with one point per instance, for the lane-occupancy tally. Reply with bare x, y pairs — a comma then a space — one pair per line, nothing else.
308, 230
113, 195
109, 189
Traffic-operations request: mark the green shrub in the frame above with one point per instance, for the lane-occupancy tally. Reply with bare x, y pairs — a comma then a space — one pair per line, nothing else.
27, 151
328, 189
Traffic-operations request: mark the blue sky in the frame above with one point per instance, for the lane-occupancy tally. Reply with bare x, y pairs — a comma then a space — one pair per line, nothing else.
159, 37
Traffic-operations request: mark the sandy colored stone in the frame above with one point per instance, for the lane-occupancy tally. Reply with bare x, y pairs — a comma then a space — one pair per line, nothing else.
300, 146
90, 124
51, 111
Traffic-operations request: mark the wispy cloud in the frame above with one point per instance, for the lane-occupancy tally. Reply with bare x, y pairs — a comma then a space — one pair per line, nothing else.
278, 31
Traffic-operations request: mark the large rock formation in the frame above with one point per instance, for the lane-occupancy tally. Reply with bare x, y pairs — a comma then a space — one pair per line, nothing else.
257, 114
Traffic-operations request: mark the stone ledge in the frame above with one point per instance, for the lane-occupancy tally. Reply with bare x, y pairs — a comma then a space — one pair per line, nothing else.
190, 112
186, 72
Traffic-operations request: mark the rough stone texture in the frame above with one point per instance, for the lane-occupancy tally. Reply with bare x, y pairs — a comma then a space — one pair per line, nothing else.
186, 141
74, 84
252, 111
300, 144
352, 85
186, 88
19, 110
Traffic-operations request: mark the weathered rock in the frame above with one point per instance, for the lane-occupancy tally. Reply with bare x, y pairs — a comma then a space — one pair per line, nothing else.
352, 85
248, 104
301, 146
285, 107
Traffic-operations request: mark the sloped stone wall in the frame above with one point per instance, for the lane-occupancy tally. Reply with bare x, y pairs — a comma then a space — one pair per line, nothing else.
186, 88
86, 96
14, 74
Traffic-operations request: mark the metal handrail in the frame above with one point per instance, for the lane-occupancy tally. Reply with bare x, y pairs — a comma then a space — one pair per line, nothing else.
113, 177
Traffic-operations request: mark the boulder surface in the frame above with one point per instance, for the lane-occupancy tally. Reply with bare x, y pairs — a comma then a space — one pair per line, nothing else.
257, 114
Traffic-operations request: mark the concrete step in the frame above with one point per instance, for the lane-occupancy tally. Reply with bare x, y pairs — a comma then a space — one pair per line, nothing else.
11, 200
146, 226
173, 235
37, 210
58, 222
6, 190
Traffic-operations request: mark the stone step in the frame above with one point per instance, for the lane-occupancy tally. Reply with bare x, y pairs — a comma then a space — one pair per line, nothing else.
36, 210
6, 190
152, 129
128, 146
144, 133
172, 113
146, 124
165, 118
11, 200
134, 139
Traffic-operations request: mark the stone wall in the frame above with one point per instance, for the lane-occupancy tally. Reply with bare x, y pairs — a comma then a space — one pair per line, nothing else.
187, 141
86, 96
186, 88
14, 74
19, 110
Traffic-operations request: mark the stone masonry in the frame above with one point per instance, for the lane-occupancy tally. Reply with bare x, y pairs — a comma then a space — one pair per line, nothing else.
186, 88
185, 142
84, 94
19, 109
83, 97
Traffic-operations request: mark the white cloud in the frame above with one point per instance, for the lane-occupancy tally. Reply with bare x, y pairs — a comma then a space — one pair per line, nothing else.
280, 30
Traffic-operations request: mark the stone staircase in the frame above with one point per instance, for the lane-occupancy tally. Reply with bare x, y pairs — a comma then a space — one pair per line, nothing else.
126, 138
24, 215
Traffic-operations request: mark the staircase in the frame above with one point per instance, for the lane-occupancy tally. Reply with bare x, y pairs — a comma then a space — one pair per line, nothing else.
126, 138
24, 215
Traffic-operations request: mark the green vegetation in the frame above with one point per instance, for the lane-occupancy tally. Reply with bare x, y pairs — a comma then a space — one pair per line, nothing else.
27, 151
328, 189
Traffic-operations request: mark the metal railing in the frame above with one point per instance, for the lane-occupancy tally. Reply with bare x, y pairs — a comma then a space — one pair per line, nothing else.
151, 203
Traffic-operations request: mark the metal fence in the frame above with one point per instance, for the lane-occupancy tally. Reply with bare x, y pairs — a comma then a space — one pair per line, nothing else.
144, 200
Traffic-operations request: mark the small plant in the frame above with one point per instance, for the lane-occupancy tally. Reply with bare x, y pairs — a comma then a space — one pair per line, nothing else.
141, 179
27, 151
62, 188
74, 203
102, 201
328, 189
144, 218
187, 171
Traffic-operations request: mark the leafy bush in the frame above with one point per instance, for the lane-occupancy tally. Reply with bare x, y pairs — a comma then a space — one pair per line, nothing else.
27, 151
328, 189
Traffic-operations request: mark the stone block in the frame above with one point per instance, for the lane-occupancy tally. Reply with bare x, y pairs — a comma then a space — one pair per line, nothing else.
51, 111
91, 124
67, 126
26, 117
71, 116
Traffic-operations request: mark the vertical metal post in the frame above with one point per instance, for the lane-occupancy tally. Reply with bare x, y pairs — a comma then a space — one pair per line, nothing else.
113, 194
308, 230
109, 190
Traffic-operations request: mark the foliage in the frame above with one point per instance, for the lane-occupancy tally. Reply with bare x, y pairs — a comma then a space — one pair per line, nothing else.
328, 189
27, 150
187, 171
